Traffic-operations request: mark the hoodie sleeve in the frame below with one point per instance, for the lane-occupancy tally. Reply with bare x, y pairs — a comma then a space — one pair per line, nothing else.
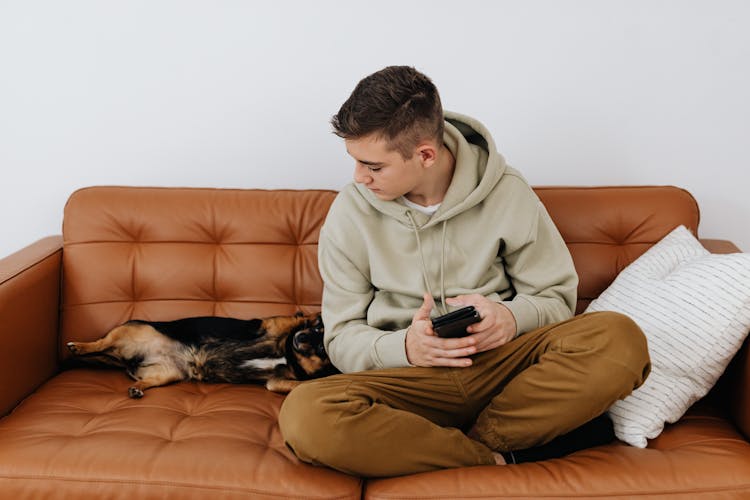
347, 293
543, 275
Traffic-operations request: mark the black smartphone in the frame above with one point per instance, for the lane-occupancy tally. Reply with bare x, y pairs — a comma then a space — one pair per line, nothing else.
454, 323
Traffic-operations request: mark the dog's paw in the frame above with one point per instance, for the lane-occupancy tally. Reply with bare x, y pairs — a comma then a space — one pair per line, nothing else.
135, 393
72, 347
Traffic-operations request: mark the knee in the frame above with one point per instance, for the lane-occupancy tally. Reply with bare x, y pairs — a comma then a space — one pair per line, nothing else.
623, 341
300, 419
308, 421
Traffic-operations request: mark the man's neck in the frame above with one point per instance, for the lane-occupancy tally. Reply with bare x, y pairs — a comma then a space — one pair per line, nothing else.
436, 180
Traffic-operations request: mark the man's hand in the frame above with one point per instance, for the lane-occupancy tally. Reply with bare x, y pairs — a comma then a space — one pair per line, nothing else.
498, 326
424, 348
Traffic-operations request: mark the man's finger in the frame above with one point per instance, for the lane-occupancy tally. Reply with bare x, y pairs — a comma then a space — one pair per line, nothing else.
458, 300
480, 326
424, 310
453, 362
453, 343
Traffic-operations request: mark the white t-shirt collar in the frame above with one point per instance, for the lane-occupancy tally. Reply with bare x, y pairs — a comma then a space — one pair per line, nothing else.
421, 208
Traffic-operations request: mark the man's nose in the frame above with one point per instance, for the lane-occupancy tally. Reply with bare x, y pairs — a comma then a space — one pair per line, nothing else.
361, 175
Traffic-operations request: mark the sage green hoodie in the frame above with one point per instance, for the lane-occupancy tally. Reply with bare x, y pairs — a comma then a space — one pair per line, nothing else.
491, 236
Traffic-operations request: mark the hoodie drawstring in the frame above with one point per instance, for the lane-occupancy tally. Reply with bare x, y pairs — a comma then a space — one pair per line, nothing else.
427, 284
442, 267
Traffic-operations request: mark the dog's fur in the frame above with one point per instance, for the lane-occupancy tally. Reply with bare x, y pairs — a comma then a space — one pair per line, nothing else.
280, 351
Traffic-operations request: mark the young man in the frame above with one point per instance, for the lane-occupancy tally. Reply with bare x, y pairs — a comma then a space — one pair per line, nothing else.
437, 220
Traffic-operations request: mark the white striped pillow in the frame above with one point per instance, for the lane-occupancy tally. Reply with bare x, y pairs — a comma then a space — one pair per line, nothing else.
694, 308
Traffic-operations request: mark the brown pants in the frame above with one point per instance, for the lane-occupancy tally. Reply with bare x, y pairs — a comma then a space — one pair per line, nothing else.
405, 420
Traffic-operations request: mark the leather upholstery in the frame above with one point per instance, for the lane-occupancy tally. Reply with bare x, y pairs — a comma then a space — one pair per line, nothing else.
163, 253
86, 438
700, 457
29, 298
607, 228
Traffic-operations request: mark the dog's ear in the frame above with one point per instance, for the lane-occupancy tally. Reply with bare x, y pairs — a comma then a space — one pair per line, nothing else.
318, 321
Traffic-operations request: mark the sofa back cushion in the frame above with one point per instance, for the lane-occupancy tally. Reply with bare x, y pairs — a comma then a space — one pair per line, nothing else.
607, 228
167, 253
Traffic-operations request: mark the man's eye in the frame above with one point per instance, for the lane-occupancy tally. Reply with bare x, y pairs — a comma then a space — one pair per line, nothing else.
373, 169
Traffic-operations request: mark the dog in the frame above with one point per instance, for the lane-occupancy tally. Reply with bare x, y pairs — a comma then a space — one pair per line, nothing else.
280, 351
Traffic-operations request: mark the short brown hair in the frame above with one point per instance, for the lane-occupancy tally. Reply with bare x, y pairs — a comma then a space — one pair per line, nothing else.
399, 103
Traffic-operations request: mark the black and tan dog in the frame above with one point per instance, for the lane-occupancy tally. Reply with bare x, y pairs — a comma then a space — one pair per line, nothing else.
280, 351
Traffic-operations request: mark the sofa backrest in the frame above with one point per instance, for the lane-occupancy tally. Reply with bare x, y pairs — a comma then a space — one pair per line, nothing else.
607, 228
166, 253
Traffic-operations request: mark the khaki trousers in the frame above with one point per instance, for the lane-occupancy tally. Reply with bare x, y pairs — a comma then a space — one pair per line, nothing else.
525, 393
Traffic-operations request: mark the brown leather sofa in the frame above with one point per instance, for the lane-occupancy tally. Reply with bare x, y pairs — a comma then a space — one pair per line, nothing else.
167, 253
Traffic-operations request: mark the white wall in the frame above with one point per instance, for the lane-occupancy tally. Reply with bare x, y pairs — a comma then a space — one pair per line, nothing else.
238, 93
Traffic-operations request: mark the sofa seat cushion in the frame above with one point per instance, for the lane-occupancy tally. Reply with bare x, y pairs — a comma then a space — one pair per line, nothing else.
80, 436
700, 457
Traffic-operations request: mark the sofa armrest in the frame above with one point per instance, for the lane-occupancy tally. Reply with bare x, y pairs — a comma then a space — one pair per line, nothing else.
29, 312
734, 385
719, 246
739, 391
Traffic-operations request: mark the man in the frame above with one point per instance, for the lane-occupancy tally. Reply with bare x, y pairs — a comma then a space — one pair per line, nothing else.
436, 219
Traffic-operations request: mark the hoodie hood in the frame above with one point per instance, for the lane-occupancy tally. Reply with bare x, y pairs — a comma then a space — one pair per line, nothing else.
479, 167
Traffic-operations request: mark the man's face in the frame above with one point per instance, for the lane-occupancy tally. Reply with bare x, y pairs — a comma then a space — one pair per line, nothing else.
382, 171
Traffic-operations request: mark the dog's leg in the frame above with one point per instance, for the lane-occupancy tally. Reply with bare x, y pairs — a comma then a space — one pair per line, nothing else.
81, 348
111, 339
153, 376
282, 380
281, 385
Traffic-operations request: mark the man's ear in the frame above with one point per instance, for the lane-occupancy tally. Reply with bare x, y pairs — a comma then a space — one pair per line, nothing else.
427, 154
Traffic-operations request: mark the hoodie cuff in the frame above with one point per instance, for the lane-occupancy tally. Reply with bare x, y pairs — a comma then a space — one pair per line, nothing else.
390, 350
527, 317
